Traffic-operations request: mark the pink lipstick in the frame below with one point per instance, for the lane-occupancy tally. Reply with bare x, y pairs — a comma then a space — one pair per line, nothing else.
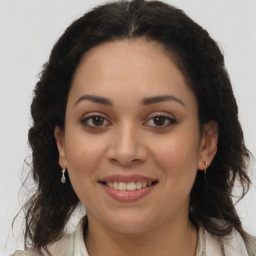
128, 188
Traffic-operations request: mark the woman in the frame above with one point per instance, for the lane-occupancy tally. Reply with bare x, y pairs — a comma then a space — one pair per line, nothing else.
134, 117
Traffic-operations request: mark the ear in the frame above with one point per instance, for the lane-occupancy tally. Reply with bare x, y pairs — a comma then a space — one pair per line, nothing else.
208, 145
59, 136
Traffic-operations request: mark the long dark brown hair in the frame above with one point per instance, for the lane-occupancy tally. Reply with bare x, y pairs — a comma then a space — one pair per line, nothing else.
200, 60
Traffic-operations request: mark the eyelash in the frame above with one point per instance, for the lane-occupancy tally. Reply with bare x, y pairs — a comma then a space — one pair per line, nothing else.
85, 121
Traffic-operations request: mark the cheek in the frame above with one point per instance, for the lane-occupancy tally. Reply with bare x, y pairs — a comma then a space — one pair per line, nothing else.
178, 156
83, 154
83, 158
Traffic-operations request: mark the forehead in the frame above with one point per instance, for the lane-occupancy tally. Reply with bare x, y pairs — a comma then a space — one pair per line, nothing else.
126, 51
137, 67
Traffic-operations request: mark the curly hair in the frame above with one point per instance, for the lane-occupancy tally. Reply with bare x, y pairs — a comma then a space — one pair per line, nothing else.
201, 62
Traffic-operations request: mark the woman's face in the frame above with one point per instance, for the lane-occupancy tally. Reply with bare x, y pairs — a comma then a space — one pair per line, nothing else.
132, 145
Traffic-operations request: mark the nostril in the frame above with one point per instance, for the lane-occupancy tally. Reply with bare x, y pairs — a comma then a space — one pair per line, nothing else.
124, 161
136, 160
113, 160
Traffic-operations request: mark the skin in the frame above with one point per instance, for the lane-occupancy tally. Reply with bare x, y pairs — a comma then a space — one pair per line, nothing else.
129, 140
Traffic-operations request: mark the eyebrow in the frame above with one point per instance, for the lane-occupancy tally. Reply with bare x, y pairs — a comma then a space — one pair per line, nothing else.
96, 99
145, 101
161, 98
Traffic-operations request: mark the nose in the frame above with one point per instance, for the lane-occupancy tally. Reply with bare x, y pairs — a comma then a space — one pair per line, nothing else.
126, 147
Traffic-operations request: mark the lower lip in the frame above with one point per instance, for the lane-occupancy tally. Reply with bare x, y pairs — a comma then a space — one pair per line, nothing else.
128, 196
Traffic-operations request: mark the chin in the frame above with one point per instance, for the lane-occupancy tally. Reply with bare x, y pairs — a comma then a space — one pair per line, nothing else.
130, 222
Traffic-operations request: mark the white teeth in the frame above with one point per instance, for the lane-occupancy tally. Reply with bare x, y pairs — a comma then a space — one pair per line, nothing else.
130, 186
122, 186
115, 185
138, 185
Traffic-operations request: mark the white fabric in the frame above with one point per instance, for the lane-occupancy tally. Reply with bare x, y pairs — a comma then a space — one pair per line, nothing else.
233, 245
208, 245
76, 245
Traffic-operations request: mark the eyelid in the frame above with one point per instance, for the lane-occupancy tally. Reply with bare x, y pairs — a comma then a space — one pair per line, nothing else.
161, 113
91, 114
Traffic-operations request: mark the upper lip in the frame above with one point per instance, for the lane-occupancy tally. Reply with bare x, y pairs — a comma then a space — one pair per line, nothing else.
127, 178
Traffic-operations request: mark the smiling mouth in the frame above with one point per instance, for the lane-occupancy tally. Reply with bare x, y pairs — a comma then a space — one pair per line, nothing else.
128, 186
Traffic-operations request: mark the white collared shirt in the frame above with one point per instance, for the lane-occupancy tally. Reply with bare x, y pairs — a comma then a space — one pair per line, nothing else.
208, 244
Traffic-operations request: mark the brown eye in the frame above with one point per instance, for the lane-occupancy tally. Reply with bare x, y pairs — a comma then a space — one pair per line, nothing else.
95, 121
98, 120
159, 120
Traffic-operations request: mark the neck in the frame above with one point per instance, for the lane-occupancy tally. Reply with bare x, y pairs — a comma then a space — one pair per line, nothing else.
176, 238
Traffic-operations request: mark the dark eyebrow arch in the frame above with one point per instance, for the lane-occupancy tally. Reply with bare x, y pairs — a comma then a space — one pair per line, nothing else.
161, 98
96, 99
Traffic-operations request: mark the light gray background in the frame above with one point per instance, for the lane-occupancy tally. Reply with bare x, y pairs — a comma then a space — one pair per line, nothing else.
28, 30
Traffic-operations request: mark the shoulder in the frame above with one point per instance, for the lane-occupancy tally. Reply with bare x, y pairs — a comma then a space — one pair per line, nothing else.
57, 248
68, 244
251, 241
28, 252
232, 244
